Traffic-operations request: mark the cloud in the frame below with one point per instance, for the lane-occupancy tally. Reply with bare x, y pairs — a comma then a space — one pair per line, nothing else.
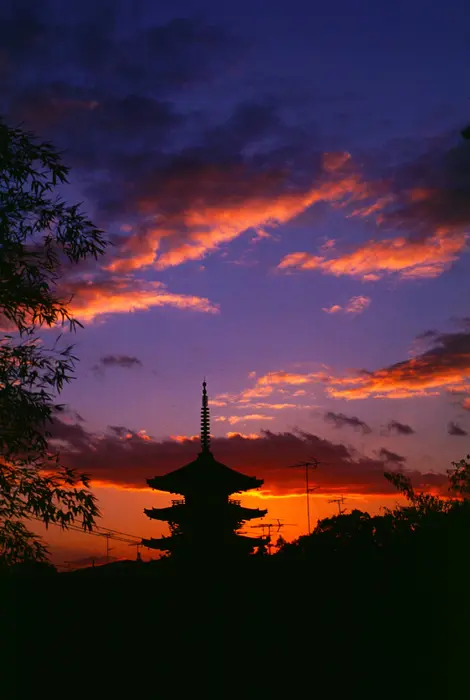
149, 56
388, 456
105, 294
282, 377
400, 428
243, 436
339, 420
177, 182
425, 198
124, 361
242, 419
445, 365
115, 459
355, 305
409, 259
204, 199
272, 406
456, 430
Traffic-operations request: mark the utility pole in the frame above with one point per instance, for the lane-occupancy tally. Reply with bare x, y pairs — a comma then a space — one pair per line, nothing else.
310, 464
108, 548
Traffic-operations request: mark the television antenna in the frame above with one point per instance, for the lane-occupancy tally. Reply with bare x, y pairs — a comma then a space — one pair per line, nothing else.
312, 463
340, 502
137, 545
278, 524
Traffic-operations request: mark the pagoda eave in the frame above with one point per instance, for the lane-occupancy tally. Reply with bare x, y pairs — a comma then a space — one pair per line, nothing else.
170, 514
161, 543
250, 513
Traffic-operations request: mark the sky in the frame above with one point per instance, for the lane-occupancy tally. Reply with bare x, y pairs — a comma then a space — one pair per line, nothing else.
286, 191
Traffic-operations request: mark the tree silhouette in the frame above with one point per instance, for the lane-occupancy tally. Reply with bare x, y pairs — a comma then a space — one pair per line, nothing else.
41, 238
459, 478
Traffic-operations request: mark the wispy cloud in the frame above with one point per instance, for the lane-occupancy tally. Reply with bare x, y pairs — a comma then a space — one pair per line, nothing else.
409, 259
340, 420
391, 457
355, 305
424, 199
233, 420
446, 365
124, 361
102, 295
400, 428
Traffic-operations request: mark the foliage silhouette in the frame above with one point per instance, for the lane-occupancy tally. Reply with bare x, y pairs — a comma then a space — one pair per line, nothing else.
41, 239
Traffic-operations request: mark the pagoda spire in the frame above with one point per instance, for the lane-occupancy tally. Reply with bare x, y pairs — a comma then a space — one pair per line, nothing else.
205, 421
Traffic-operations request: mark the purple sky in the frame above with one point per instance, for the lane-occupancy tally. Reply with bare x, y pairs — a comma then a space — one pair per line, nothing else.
209, 140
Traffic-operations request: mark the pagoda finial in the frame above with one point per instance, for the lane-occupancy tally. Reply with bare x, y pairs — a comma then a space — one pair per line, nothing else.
205, 421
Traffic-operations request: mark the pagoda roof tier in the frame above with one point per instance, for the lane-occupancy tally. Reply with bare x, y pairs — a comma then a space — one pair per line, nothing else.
174, 542
204, 475
176, 513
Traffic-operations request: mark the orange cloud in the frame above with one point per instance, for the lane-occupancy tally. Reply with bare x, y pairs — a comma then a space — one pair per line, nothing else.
185, 438
446, 365
272, 406
281, 377
113, 295
355, 305
213, 227
241, 419
244, 436
409, 259
335, 309
221, 206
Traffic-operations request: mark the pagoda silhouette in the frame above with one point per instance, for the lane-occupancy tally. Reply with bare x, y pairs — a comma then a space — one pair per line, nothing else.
205, 521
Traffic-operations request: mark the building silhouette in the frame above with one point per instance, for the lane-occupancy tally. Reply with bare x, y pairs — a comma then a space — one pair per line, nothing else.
205, 520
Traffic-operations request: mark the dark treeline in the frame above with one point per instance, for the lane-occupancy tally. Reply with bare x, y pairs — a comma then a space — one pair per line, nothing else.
375, 603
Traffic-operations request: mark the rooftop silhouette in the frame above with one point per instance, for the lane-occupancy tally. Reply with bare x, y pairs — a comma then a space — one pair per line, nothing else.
205, 519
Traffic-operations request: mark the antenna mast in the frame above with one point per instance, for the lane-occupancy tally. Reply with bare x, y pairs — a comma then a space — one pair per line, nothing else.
340, 502
310, 464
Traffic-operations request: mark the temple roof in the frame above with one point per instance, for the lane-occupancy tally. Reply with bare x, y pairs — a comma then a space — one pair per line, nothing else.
174, 542
204, 475
176, 512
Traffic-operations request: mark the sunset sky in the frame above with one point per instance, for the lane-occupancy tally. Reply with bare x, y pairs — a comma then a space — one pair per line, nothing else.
287, 194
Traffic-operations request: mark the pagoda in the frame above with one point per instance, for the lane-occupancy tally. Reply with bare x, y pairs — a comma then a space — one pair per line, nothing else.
205, 520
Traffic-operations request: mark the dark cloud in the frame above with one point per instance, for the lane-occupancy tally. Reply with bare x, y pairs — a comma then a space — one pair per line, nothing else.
126, 361
107, 88
431, 189
128, 458
400, 428
119, 430
339, 420
108, 48
102, 84
456, 429
389, 456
